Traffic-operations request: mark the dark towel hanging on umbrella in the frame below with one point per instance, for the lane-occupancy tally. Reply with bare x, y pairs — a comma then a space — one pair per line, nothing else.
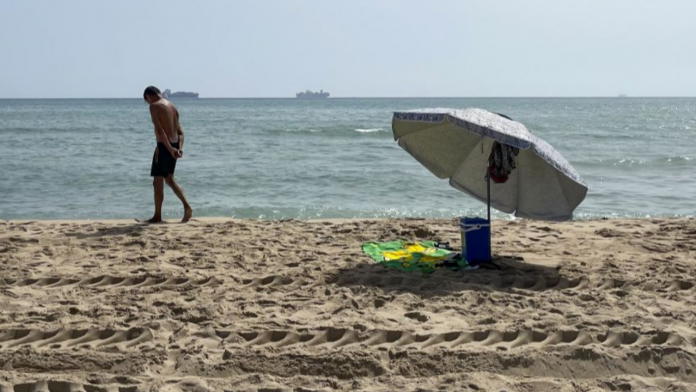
501, 162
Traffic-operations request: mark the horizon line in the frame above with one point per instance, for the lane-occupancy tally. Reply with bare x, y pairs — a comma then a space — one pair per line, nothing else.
383, 97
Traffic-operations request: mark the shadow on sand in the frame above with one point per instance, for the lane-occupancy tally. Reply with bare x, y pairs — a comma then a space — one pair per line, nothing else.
511, 272
131, 230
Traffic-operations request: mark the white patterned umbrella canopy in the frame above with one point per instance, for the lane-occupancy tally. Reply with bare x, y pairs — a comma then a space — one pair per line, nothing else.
455, 144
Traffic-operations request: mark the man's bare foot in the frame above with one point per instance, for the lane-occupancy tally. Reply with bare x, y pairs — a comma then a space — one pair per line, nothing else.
188, 212
155, 219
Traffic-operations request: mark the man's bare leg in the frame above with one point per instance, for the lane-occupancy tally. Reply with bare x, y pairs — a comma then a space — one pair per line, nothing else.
158, 183
179, 192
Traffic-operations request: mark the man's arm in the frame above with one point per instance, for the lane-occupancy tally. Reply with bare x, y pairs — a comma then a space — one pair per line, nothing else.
180, 131
160, 135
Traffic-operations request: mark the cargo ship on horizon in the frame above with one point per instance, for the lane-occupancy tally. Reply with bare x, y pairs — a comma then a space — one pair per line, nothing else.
312, 95
179, 94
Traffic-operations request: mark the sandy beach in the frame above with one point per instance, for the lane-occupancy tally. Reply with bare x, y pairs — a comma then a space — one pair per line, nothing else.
246, 305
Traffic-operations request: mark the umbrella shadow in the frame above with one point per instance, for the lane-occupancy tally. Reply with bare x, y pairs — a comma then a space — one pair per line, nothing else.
510, 273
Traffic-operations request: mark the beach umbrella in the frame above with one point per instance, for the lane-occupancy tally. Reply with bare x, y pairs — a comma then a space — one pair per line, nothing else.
533, 180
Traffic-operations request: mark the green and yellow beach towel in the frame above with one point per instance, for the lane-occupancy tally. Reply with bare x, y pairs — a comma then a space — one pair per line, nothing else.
425, 256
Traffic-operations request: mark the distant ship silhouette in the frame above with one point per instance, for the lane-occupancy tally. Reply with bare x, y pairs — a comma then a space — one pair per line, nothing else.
312, 95
179, 94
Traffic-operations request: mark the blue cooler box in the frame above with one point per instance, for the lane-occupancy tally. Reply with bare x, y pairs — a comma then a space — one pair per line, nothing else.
476, 239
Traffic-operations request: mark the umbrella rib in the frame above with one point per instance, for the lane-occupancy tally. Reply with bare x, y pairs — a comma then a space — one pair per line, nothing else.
459, 166
519, 181
558, 173
480, 141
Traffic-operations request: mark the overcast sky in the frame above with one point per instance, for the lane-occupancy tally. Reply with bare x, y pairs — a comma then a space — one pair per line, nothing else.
356, 48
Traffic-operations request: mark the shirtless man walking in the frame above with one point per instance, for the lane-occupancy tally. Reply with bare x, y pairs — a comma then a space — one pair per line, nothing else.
170, 144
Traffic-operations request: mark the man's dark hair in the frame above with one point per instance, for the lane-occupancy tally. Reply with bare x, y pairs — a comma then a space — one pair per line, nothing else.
151, 91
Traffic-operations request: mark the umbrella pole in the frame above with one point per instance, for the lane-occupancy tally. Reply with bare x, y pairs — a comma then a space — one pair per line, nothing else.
488, 191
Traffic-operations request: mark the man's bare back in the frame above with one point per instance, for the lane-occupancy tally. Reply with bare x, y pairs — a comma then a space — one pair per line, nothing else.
165, 115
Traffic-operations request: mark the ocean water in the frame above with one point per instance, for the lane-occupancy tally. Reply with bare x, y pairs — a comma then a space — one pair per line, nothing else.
335, 158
